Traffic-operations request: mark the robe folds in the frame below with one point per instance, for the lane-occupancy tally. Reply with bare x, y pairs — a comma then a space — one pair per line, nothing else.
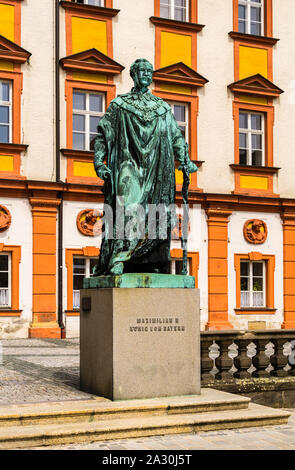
139, 139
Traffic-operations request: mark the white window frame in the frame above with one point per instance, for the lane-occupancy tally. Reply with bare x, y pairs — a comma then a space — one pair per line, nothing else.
173, 262
87, 113
87, 273
172, 8
249, 132
9, 105
8, 304
184, 124
86, 2
251, 291
248, 4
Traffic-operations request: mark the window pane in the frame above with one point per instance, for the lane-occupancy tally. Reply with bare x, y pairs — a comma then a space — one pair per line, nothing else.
256, 141
78, 282
94, 120
180, 14
256, 14
245, 299
4, 114
257, 158
243, 157
244, 268
258, 299
95, 103
179, 112
256, 122
4, 91
243, 140
3, 279
164, 11
98, 3
242, 12
242, 26
78, 141
78, 123
4, 134
79, 262
3, 263
243, 120
178, 267
257, 284
180, 3
79, 100
257, 269
256, 29
244, 283
93, 263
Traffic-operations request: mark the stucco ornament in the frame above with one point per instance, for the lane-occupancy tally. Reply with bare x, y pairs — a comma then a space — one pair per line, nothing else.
89, 222
5, 218
255, 231
134, 153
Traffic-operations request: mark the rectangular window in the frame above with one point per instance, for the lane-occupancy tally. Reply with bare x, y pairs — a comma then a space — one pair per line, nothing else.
251, 139
174, 9
98, 3
82, 267
88, 109
252, 279
176, 266
5, 111
251, 17
180, 111
5, 283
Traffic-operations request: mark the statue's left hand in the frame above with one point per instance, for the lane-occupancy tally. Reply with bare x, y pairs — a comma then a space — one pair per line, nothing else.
188, 167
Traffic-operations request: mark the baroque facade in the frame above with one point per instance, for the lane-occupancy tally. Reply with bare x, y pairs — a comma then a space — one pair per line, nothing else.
226, 68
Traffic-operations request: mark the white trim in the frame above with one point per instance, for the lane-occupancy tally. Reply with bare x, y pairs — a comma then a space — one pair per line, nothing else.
98, 3
184, 123
171, 5
9, 105
248, 4
87, 114
8, 288
249, 132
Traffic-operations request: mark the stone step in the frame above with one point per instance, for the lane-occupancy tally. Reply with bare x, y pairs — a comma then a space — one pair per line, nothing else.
16, 437
210, 400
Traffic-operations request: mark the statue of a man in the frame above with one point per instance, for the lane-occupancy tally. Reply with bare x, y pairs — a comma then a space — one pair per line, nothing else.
139, 139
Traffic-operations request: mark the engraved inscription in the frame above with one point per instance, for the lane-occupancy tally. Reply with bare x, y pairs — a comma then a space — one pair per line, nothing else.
145, 325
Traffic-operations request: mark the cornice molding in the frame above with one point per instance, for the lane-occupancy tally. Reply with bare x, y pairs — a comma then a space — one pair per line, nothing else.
251, 38
12, 52
180, 25
12, 147
181, 74
256, 85
255, 169
92, 9
91, 61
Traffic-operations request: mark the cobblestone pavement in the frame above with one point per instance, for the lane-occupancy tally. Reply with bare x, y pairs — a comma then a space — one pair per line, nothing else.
35, 370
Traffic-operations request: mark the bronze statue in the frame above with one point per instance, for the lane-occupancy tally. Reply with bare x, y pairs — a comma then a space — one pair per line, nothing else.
139, 139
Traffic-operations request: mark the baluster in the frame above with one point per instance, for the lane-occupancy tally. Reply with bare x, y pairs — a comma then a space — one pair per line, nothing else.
242, 361
207, 363
291, 358
224, 362
260, 360
278, 360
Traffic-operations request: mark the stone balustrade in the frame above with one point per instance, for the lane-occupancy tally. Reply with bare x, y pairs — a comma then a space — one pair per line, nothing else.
230, 355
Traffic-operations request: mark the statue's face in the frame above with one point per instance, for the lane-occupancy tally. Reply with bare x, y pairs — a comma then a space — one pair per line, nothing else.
144, 75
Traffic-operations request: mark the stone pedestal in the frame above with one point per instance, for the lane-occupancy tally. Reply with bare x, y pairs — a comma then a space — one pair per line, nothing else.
140, 342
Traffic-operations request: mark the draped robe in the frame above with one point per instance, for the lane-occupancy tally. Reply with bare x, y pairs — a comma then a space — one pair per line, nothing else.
139, 139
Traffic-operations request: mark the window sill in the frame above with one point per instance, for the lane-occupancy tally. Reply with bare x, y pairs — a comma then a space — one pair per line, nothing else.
7, 312
93, 9
9, 147
180, 25
81, 154
255, 311
261, 169
261, 40
73, 313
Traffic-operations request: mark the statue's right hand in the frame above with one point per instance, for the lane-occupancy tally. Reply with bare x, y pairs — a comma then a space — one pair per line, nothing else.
103, 172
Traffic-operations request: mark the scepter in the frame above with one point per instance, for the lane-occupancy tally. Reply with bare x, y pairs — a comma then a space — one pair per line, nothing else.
184, 232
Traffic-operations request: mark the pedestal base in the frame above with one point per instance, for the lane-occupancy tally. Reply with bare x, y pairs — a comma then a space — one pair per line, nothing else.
140, 343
